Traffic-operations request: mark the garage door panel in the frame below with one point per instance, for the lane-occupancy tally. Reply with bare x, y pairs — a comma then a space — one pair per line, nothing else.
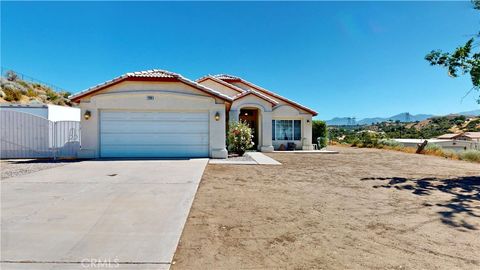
155, 151
146, 116
154, 134
118, 126
155, 139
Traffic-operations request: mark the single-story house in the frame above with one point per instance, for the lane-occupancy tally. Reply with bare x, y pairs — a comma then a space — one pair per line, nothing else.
47, 111
471, 136
157, 113
465, 136
449, 136
448, 144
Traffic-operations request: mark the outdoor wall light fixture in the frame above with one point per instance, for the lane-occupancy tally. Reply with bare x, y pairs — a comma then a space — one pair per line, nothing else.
308, 120
217, 116
87, 115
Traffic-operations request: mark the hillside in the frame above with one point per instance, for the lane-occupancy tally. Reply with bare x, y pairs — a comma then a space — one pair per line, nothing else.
471, 113
429, 128
15, 90
402, 117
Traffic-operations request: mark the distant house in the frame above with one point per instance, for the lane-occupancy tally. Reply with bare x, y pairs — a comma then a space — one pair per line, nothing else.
449, 144
466, 136
47, 111
471, 136
449, 136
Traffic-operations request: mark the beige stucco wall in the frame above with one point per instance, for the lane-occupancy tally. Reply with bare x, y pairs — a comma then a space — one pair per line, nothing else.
287, 112
265, 118
174, 87
168, 96
280, 102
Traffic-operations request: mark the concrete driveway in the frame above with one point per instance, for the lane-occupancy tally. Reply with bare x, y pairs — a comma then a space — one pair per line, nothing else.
97, 214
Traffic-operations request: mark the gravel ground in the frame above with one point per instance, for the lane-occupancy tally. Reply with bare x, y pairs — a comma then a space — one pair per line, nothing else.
359, 209
17, 167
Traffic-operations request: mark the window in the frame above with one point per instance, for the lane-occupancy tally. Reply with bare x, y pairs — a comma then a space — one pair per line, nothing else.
286, 130
297, 130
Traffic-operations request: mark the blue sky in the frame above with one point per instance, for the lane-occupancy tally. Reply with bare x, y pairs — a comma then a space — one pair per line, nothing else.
359, 59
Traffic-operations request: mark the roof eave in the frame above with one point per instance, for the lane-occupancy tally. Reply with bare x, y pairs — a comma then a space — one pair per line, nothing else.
273, 102
76, 98
219, 81
314, 113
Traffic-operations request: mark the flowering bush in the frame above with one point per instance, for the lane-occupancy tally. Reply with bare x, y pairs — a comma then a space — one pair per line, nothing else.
239, 137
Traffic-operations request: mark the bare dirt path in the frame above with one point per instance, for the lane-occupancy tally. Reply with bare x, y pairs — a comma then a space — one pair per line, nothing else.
360, 209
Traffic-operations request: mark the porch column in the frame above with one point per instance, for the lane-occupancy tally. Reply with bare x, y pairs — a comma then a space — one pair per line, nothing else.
266, 132
217, 133
307, 133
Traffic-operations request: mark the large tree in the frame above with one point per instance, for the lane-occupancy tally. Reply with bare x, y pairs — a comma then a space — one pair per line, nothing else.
463, 60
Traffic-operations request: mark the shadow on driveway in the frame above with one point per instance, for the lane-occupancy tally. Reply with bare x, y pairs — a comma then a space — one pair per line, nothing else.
39, 161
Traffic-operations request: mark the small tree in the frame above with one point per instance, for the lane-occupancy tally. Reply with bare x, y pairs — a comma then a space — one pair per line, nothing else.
322, 142
239, 137
320, 133
465, 59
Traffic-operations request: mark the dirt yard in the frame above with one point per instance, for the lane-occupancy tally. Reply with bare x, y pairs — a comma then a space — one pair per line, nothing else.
360, 209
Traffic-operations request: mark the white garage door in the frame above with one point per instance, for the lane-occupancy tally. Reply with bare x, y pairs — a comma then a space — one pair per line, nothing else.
153, 134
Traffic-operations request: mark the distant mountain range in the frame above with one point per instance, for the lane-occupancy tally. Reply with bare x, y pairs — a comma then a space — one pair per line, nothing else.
402, 117
470, 113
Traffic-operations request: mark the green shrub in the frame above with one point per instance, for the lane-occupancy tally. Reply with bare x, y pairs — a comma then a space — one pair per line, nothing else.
31, 93
320, 133
65, 94
472, 125
52, 95
390, 143
355, 142
368, 139
319, 129
322, 142
470, 155
239, 137
23, 83
12, 95
433, 147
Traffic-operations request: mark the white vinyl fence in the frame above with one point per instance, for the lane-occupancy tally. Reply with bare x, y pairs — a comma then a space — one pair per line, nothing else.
25, 135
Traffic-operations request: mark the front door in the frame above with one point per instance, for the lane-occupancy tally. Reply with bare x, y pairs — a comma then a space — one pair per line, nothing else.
250, 116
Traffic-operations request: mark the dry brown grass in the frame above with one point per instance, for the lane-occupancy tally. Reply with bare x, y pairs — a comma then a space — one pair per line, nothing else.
411, 150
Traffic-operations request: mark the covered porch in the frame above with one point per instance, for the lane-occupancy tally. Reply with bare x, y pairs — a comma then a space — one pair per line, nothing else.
275, 130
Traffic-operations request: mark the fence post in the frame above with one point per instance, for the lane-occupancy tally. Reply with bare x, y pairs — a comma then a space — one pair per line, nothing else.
54, 131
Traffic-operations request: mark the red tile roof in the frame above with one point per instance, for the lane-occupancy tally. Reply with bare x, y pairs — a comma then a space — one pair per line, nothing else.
149, 75
153, 73
231, 78
242, 92
449, 136
258, 94
472, 135
219, 81
226, 77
